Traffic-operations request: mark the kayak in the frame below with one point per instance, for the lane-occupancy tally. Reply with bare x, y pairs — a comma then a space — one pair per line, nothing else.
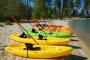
47, 41
59, 35
56, 30
38, 51
66, 31
36, 25
45, 25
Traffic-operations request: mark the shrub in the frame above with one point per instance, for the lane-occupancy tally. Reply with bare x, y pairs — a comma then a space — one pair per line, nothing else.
1, 25
8, 23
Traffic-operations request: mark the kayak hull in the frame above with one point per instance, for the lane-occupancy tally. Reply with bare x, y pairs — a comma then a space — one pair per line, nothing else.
59, 35
46, 51
49, 41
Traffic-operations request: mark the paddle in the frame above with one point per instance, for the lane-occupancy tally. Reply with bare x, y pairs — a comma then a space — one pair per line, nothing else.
47, 24
30, 23
33, 30
35, 20
39, 26
43, 21
51, 24
23, 28
13, 17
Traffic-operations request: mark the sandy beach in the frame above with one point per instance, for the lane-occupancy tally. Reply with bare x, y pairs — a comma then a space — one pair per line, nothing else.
7, 30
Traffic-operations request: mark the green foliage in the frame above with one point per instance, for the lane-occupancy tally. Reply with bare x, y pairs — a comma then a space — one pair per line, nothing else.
58, 8
1, 25
55, 13
81, 15
39, 8
8, 23
42, 8
11, 8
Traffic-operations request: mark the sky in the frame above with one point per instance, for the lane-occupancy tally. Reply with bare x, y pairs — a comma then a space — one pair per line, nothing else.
81, 6
30, 3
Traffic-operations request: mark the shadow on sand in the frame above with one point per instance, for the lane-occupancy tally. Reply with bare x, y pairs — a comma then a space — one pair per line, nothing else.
73, 36
75, 47
74, 40
75, 57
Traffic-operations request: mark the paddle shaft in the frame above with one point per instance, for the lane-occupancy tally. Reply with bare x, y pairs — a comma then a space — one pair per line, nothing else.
44, 21
30, 23
40, 26
42, 30
49, 23
23, 28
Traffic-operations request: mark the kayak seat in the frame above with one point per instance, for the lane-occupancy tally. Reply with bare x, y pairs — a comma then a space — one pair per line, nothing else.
30, 47
44, 39
35, 48
50, 33
23, 35
40, 37
40, 29
33, 30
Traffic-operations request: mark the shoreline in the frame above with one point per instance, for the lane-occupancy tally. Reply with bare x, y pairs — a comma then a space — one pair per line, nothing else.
82, 43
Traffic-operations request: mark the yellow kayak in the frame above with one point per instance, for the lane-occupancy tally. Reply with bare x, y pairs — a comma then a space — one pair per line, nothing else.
49, 41
45, 51
66, 30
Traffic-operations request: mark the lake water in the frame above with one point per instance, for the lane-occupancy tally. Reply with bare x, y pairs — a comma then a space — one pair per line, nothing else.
82, 29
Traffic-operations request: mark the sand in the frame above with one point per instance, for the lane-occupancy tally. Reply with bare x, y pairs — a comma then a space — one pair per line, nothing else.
77, 54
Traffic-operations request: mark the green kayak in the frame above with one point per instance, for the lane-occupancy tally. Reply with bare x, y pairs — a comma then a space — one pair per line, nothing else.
61, 35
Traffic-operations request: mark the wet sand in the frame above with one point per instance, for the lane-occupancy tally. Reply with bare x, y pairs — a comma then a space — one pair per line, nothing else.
77, 54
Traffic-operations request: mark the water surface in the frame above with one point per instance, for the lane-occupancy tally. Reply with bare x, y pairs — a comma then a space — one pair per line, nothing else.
82, 29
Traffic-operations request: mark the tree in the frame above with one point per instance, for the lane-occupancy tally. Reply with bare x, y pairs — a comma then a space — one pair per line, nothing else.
78, 2
42, 8
87, 7
11, 8
58, 7
39, 8
64, 8
55, 13
48, 9
2, 5
70, 7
